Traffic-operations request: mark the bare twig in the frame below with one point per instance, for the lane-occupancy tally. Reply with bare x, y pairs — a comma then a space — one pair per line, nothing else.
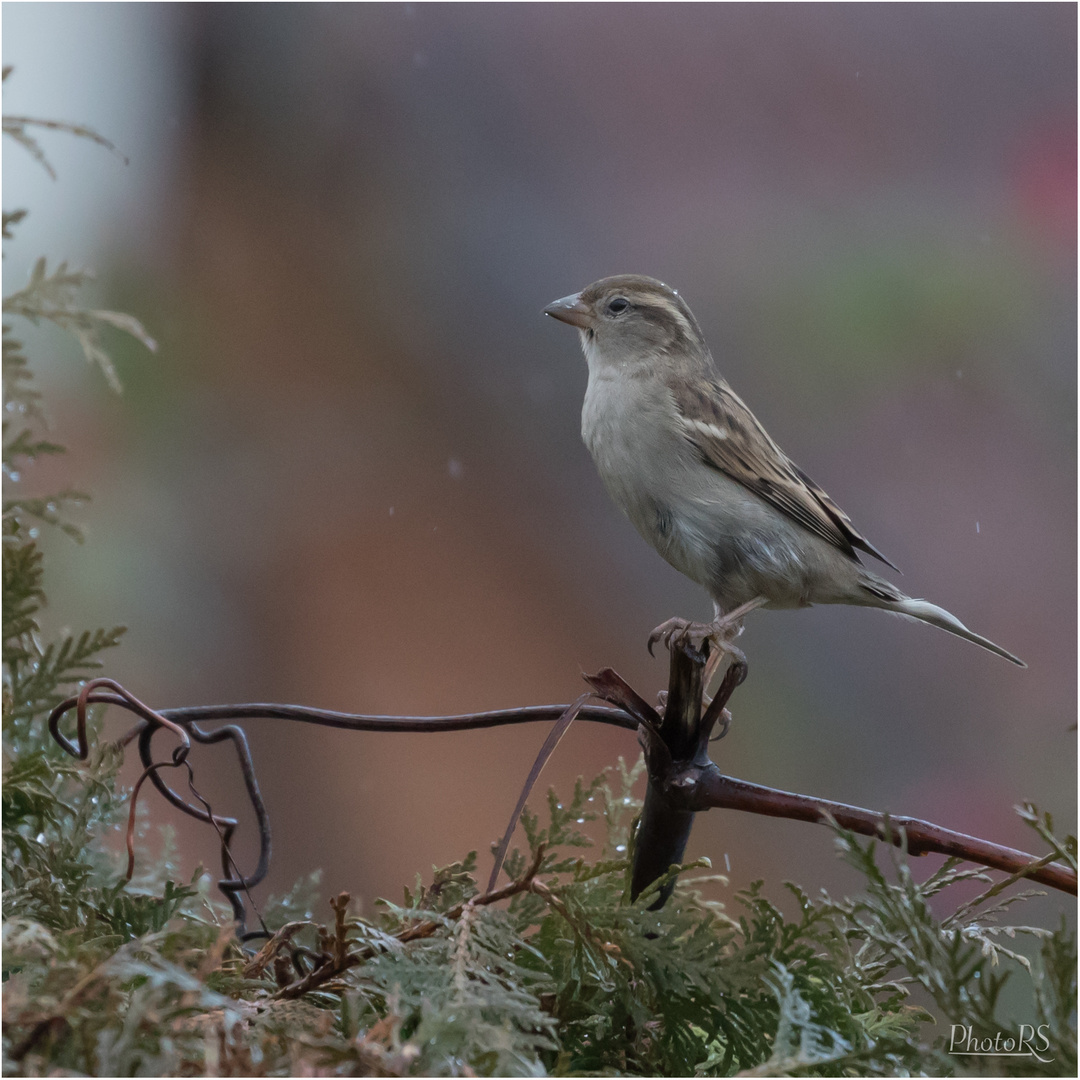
682, 734
601, 714
107, 691
342, 960
562, 725
713, 789
684, 781
268, 953
682, 778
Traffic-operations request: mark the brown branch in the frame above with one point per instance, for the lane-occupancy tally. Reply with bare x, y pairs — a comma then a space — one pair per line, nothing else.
712, 789
682, 778
601, 714
681, 734
560, 728
268, 953
684, 781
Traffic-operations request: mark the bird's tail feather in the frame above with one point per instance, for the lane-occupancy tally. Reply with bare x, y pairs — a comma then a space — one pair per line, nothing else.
935, 616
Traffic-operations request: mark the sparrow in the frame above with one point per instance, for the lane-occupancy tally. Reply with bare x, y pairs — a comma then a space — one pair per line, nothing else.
702, 481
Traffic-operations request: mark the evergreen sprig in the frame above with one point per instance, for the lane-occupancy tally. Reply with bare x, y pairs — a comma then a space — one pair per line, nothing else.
19, 128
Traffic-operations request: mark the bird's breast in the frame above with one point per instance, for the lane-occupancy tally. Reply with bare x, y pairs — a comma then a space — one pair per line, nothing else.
631, 430
702, 521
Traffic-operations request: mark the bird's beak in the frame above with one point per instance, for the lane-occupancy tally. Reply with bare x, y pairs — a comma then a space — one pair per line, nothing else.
571, 310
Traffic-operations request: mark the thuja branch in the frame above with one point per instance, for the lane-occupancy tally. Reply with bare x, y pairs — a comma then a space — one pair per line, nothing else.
339, 958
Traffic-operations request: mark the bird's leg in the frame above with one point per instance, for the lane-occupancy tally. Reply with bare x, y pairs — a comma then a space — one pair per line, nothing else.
725, 648
716, 658
720, 633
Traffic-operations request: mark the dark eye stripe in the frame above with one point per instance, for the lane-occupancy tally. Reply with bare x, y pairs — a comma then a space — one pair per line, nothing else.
663, 316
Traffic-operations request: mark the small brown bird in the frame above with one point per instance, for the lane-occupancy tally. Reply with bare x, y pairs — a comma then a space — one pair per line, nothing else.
700, 478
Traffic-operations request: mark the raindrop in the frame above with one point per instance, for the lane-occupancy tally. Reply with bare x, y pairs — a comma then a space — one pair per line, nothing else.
620, 847
455, 469
727, 863
976, 526
626, 800
391, 511
40, 838
581, 821
14, 476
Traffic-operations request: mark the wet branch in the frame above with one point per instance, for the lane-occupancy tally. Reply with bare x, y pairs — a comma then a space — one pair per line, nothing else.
682, 779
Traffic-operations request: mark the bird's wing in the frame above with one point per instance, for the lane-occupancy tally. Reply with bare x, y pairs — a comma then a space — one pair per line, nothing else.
729, 437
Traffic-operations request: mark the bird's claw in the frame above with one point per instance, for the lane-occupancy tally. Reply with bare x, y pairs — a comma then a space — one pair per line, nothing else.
679, 632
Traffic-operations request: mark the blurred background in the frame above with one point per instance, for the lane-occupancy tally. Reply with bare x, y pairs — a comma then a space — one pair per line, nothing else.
352, 475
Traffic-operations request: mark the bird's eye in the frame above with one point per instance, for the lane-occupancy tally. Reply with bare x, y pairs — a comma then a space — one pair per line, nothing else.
618, 305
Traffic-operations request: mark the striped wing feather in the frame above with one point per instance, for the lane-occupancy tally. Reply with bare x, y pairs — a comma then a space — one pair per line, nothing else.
729, 438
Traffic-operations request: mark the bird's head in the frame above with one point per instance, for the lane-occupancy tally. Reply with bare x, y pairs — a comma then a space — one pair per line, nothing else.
630, 319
